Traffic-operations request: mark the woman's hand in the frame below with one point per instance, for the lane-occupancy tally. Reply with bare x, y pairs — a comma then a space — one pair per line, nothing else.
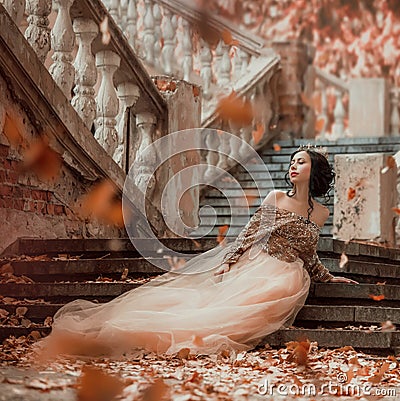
223, 269
338, 279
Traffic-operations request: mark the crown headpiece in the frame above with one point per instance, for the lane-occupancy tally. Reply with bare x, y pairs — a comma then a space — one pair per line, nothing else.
319, 149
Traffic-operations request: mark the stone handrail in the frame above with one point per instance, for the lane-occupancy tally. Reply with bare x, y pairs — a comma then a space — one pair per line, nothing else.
125, 90
80, 54
330, 85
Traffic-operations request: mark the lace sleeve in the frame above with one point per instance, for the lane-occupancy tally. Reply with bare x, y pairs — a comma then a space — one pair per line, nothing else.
259, 226
317, 271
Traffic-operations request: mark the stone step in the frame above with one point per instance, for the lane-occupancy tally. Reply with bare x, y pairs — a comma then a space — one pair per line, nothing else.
358, 339
388, 341
48, 291
81, 269
309, 313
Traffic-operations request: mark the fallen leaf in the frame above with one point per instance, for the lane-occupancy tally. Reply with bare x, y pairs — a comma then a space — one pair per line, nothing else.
377, 297
277, 147
388, 326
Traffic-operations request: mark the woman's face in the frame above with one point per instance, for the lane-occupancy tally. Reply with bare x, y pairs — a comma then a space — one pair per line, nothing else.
300, 167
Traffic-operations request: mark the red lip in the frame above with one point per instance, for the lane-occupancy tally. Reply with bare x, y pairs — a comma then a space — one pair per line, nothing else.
293, 174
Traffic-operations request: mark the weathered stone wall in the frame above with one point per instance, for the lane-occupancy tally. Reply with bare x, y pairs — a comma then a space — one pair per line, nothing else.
30, 207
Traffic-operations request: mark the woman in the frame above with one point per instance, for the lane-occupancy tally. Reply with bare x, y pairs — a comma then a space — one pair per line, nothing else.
227, 298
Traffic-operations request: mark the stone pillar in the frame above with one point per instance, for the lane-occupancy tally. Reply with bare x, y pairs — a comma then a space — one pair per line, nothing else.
369, 107
365, 194
295, 59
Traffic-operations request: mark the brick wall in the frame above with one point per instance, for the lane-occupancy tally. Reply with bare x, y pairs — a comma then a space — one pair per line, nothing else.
36, 208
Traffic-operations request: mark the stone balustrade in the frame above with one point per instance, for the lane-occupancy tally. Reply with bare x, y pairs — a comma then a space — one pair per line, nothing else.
101, 77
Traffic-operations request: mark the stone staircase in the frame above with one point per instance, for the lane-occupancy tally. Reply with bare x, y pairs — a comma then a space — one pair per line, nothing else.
236, 216
334, 315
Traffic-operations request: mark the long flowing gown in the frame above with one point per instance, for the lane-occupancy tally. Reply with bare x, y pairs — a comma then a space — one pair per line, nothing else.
272, 261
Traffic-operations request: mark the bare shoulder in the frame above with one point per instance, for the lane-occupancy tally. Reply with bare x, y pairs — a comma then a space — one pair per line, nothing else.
273, 197
321, 213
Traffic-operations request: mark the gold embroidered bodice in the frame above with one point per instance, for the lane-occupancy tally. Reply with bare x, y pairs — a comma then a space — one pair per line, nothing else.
285, 235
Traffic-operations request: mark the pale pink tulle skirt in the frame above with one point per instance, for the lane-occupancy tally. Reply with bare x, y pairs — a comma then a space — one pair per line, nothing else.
202, 312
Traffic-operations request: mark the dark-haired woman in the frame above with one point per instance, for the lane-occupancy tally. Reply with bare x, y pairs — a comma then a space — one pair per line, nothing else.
226, 298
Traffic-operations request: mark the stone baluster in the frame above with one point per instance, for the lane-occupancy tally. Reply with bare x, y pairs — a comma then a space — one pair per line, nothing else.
145, 161
38, 32
324, 107
148, 33
85, 70
212, 157
107, 101
168, 51
62, 42
187, 50
131, 28
216, 63
114, 10
15, 8
339, 113
394, 115
237, 62
226, 67
124, 14
245, 58
128, 94
206, 71
225, 148
157, 34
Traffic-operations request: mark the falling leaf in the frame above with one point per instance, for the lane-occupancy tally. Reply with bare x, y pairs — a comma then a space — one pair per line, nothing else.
351, 193
156, 391
236, 109
396, 210
12, 131
42, 160
258, 133
277, 147
221, 233
104, 30
343, 260
196, 91
377, 297
96, 385
388, 326
227, 38
390, 163
320, 124
299, 352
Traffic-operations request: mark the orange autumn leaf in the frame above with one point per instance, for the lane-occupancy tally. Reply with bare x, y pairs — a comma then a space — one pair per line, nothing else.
228, 39
258, 133
196, 91
156, 391
250, 199
377, 377
42, 160
299, 352
377, 297
198, 341
96, 385
236, 109
221, 233
277, 147
351, 193
12, 131
396, 210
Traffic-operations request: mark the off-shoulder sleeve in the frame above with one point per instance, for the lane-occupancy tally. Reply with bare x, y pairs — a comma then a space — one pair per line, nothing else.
317, 271
259, 226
